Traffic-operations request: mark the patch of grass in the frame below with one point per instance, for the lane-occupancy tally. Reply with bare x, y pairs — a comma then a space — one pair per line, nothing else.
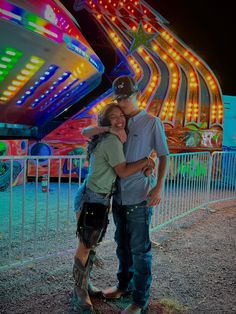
171, 306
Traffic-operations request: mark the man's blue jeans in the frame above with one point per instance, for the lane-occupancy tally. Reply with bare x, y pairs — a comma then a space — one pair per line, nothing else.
134, 249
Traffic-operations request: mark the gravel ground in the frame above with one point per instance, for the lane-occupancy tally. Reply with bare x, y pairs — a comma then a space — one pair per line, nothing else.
193, 272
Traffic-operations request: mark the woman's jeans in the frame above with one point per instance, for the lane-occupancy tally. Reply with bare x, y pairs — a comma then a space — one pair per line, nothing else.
134, 249
84, 194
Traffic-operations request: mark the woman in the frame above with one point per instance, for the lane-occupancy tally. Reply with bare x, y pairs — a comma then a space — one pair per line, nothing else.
107, 161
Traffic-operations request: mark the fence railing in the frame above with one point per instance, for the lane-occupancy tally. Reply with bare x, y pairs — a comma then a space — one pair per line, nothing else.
185, 188
36, 224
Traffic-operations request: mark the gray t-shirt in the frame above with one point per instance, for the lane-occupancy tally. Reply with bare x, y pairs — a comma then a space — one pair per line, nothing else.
145, 134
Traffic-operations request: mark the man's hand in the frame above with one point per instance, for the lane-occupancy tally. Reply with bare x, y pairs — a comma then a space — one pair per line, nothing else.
148, 172
120, 133
154, 197
151, 166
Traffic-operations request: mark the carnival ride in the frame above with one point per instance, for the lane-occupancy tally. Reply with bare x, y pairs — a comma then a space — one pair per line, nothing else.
47, 65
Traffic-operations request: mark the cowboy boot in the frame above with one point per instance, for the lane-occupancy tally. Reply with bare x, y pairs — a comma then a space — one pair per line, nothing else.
81, 297
92, 290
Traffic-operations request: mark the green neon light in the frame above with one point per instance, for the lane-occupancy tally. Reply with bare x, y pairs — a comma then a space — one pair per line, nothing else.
8, 60
21, 79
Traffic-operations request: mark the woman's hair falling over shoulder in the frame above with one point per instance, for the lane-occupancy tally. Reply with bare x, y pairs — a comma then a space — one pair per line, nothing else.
103, 120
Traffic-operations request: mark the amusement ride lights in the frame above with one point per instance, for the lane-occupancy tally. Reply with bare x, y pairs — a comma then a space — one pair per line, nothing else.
31, 67
171, 51
7, 61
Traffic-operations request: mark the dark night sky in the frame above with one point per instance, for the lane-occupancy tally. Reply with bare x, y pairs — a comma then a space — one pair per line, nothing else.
209, 29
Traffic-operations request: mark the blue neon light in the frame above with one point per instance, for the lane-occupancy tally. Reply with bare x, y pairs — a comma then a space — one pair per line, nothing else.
44, 78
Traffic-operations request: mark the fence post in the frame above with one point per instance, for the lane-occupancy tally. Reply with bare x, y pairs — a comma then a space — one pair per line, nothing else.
209, 177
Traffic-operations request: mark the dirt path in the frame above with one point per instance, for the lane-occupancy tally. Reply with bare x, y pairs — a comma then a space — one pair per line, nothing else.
193, 272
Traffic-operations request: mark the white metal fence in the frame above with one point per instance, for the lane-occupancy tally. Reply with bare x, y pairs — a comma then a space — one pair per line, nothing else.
36, 224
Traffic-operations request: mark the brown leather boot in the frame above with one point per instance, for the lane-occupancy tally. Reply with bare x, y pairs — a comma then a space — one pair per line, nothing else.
92, 290
81, 299
114, 293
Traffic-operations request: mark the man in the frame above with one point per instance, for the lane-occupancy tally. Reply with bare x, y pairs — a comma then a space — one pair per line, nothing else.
134, 198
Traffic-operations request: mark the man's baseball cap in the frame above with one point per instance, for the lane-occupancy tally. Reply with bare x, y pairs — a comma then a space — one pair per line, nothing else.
123, 87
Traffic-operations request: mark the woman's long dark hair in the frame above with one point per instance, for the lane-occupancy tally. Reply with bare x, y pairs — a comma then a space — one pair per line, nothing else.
103, 120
